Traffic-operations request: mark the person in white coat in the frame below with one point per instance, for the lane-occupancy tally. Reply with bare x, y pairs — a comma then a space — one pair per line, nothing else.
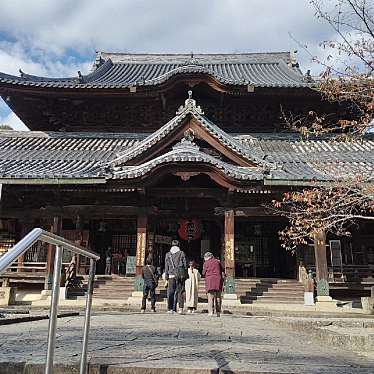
192, 287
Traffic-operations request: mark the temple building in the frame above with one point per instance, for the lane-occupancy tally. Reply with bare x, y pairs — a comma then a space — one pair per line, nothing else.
150, 147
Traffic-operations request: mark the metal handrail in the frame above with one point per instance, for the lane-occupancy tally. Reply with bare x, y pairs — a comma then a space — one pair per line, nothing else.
20, 248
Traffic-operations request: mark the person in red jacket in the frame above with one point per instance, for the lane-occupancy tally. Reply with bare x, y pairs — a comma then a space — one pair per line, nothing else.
213, 272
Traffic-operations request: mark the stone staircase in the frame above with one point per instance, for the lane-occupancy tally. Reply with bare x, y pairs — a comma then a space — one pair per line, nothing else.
270, 291
250, 291
23, 278
106, 287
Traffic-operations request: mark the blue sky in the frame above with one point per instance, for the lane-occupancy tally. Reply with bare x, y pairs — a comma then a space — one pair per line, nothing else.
58, 38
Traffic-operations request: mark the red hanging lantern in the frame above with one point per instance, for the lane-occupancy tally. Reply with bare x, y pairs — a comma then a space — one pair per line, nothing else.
189, 229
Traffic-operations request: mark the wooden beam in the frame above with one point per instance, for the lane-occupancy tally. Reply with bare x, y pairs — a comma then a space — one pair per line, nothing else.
93, 211
187, 192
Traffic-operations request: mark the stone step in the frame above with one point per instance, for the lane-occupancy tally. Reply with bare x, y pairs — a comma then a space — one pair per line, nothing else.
275, 296
270, 291
29, 281
120, 281
112, 289
239, 284
245, 301
109, 296
284, 291
286, 287
24, 275
266, 297
264, 281
280, 301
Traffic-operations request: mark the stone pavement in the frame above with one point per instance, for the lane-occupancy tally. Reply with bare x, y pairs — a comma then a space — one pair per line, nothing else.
230, 344
107, 305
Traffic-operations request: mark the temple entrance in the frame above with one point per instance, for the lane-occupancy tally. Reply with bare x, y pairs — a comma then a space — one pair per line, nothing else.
196, 236
118, 236
258, 251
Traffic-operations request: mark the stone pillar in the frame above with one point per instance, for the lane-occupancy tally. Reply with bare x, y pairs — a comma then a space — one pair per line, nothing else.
55, 229
229, 243
141, 243
320, 255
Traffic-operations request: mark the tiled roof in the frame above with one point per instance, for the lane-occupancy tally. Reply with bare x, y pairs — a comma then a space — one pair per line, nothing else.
253, 154
187, 152
57, 155
320, 159
126, 70
51, 156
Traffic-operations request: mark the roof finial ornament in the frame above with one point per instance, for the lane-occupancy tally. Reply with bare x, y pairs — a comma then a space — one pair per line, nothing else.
187, 142
189, 135
293, 62
190, 106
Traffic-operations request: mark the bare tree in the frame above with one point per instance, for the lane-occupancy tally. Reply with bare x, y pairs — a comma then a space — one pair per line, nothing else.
348, 79
348, 70
331, 208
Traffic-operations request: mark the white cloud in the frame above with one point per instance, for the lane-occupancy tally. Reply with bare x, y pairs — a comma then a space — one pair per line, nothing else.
13, 121
57, 38
163, 26
13, 56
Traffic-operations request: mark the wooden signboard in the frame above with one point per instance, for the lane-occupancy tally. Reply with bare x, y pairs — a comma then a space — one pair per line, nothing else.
131, 265
163, 239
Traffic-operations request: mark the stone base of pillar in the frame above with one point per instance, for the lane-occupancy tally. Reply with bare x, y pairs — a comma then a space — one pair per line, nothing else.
325, 303
136, 298
46, 293
367, 304
63, 293
7, 296
230, 299
309, 298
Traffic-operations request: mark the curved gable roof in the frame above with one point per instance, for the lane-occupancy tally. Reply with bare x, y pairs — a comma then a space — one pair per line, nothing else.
251, 154
116, 70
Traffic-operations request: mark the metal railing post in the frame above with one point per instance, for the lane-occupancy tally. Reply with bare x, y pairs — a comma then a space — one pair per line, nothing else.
87, 319
61, 244
53, 310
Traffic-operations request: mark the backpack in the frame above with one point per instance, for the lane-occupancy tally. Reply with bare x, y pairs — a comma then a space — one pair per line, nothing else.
154, 277
181, 273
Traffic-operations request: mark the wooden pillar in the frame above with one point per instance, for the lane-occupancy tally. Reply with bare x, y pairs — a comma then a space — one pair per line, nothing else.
229, 243
55, 229
320, 254
141, 243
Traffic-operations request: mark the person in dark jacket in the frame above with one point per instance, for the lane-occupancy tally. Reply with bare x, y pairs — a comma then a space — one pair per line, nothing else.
150, 284
213, 272
175, 260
